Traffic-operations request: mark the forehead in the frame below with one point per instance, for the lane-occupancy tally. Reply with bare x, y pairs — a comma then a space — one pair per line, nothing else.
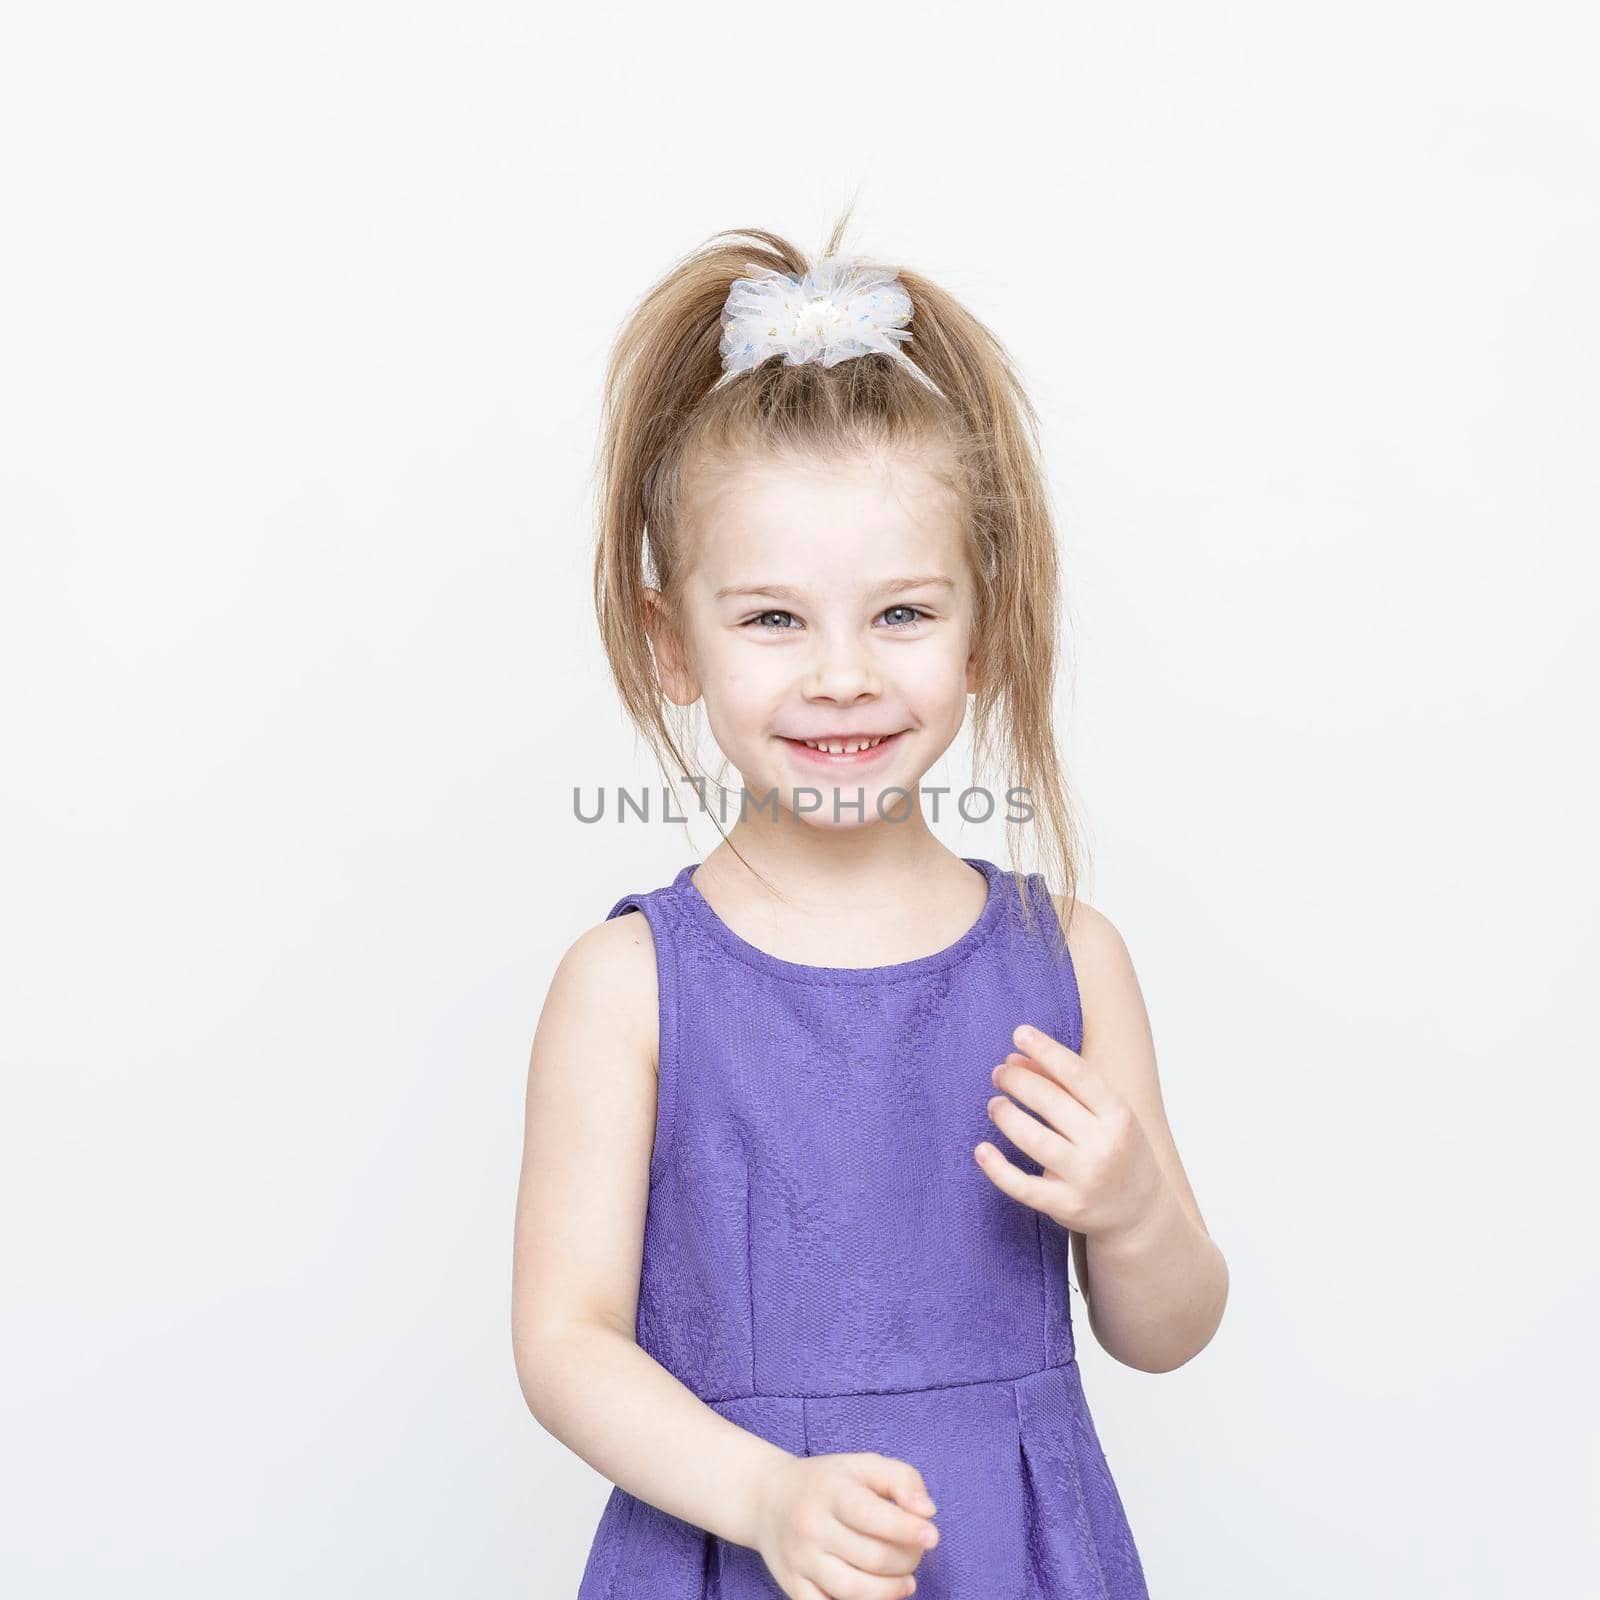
809, 521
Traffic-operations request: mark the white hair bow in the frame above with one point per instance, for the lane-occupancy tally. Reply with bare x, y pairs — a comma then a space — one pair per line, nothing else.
841, 308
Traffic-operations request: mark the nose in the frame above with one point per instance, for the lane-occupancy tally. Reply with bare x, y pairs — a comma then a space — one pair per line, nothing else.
843, 672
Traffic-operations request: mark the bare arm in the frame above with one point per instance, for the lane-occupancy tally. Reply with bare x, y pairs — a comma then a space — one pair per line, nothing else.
581, 1201
1155, 1296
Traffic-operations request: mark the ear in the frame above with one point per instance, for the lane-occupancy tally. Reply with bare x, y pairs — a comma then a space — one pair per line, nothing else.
678, 681
972, 671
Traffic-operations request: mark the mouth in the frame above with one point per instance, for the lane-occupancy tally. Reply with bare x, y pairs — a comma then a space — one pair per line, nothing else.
845, 752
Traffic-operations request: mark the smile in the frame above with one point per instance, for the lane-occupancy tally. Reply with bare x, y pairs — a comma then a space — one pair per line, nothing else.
856, 751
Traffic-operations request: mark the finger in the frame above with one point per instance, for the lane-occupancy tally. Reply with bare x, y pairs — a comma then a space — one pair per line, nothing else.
1031, 1136
897, 1480
882, 1557
842, 1581
1038, 1091
1065, 1065
882, 1519
1030, 1189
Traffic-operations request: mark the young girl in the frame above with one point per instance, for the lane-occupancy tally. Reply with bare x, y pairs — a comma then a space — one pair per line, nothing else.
811, 1128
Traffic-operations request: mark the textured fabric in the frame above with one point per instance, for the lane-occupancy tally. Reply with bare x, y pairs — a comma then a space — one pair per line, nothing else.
826, 1265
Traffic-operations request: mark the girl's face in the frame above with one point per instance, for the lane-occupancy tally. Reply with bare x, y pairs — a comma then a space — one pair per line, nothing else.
827, 601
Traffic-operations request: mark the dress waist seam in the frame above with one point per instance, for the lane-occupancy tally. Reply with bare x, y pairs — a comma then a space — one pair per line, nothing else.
921, 1388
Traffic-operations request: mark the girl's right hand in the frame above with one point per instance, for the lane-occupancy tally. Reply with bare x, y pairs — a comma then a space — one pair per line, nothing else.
850, 1526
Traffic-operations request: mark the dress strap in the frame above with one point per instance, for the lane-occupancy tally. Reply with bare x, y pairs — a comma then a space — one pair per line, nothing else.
655, 906
1048, 956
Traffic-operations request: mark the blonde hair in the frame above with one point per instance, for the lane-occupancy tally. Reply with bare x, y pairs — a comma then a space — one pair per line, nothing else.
664, 412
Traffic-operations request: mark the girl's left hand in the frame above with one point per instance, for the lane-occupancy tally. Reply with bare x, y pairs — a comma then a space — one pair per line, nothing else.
1100, 1173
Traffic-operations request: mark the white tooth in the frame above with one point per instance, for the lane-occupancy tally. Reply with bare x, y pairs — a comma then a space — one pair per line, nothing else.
844, 747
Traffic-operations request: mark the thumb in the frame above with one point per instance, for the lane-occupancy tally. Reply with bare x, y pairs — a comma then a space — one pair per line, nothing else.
898, 1481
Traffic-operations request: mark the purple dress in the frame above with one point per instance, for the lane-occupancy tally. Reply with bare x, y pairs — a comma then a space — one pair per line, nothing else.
826, 1265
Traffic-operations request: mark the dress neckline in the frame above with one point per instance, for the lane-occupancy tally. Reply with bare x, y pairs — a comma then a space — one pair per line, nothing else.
894, 971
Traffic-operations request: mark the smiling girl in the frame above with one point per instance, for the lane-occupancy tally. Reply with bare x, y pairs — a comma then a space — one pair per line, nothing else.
816, 1130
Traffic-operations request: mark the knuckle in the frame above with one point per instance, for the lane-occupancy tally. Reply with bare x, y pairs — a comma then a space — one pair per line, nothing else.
873, 1558
811, 1522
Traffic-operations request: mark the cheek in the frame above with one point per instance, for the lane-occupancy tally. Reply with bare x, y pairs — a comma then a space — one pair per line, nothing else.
743, 694
936, 675
753, 675
741, 681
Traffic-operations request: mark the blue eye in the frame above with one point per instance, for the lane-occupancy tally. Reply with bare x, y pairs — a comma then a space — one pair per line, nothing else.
761, 619
916, 615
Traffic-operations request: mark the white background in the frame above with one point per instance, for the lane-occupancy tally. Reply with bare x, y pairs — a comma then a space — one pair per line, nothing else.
303, 315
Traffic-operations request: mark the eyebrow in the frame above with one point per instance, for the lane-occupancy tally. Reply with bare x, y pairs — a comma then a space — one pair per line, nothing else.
782, 591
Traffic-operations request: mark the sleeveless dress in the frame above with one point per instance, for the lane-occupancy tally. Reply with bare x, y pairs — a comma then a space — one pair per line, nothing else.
826, 1265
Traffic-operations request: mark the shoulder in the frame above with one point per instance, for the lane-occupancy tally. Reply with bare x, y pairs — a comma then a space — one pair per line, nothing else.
608, 974
1092, 937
